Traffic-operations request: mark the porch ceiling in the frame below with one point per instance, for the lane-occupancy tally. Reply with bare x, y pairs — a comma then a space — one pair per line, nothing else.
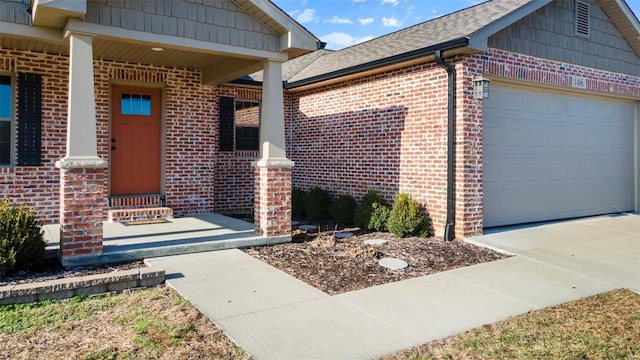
111, 49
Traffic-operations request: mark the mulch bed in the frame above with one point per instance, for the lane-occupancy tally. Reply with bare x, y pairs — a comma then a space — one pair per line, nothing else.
340, 265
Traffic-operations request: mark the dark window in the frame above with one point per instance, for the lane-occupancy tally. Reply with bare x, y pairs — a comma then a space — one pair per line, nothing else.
247, 123
133, 104
239, 125
6, 113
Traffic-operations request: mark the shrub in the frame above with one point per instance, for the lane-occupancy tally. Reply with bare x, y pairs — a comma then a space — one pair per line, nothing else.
317, 204
341, 210
362, 213
21, 238
379, 217
297, 203
407, 219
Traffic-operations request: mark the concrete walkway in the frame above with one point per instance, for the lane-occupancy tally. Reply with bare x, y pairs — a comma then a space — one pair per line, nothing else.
275, 316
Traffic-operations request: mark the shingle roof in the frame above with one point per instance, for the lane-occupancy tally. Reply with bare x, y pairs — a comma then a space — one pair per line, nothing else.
457, 25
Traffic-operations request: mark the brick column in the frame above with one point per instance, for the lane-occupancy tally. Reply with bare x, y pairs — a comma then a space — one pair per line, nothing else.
273, 201
82, 207
82, 171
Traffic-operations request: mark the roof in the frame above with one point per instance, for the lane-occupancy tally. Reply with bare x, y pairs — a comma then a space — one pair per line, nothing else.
470, 28
454, 29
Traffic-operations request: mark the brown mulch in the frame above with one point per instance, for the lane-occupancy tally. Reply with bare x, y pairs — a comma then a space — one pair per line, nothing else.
336, 266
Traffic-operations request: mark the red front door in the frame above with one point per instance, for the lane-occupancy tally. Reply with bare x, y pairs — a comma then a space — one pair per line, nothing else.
135, 141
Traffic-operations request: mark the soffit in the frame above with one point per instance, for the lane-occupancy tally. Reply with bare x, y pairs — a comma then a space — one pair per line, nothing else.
624, 20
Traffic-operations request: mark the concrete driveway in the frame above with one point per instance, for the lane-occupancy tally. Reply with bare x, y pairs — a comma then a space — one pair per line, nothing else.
606, 247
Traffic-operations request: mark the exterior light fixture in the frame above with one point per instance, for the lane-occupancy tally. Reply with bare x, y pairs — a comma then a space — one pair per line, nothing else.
158, 49
480, 88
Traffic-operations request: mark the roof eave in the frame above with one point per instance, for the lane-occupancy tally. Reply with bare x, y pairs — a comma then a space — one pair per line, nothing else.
624, 20
392, 60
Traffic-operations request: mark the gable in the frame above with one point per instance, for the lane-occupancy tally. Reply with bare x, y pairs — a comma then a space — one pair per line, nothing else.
220, 21
550, 33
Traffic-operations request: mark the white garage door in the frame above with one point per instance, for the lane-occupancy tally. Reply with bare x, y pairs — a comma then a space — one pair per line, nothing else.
551, 155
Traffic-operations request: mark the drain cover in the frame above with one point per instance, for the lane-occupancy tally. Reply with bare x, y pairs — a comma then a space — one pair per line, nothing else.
343, 235
375, 241
393, 263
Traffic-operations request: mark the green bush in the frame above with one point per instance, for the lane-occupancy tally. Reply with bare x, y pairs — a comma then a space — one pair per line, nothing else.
297, 203
379, 217
362, 213
21, 238
317, 204
407, 219
341, 210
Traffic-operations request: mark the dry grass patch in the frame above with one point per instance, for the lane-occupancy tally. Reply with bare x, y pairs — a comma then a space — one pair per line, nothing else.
155, 323
605, 326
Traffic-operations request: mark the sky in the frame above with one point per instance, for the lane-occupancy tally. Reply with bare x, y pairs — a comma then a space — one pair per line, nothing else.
342, 23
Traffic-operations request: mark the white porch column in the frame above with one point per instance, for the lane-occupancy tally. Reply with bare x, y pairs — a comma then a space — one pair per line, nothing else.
273, 149
82, 150
82, 172
272, 205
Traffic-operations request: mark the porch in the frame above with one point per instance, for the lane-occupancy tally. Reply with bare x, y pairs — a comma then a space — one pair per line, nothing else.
197, 233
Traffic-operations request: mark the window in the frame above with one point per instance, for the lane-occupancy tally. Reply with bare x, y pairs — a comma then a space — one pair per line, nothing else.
247, 125
6, 115
239, 125
582, 18
133, 104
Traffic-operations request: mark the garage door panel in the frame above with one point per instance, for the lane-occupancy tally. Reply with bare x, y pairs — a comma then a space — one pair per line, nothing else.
560, 156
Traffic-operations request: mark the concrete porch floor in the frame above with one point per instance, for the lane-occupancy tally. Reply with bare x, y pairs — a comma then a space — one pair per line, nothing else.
196, 233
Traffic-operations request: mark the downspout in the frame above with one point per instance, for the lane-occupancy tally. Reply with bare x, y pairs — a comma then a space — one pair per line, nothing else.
449, 232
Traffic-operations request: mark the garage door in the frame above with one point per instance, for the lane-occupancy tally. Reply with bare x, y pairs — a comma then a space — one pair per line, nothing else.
551, 155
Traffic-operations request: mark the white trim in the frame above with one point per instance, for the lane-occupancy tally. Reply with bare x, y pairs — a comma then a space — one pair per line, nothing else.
32, 32
167, 41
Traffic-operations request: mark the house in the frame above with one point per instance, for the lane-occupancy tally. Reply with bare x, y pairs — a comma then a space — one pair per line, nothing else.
113, 106
557, 136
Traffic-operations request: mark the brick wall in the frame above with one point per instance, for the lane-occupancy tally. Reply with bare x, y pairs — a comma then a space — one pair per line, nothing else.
39, 186
234, 172
385, 132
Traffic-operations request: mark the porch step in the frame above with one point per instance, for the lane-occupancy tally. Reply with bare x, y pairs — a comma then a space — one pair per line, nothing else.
143, 214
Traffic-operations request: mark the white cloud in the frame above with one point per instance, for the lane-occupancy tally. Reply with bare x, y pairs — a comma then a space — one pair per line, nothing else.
358, 1
391, 22
339, 40
307, 16
392, 2
365, 21
338, 20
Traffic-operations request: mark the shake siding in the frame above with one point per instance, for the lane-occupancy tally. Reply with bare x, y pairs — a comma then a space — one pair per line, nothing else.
220, 21
550, 33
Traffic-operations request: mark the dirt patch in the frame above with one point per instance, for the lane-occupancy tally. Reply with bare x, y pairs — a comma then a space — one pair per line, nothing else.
340, 265
605, 326
156, 323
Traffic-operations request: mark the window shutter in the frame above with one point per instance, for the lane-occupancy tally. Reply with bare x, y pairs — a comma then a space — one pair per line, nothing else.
227, 106
29, 119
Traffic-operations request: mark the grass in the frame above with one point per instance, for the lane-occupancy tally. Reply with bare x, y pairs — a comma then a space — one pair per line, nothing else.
148, 324
159, 324
605, 326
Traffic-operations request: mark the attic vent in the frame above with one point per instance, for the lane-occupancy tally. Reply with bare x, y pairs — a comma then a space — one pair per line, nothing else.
582, 18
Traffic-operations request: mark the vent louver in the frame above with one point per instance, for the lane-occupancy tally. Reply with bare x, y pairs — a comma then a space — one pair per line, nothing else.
583, 19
